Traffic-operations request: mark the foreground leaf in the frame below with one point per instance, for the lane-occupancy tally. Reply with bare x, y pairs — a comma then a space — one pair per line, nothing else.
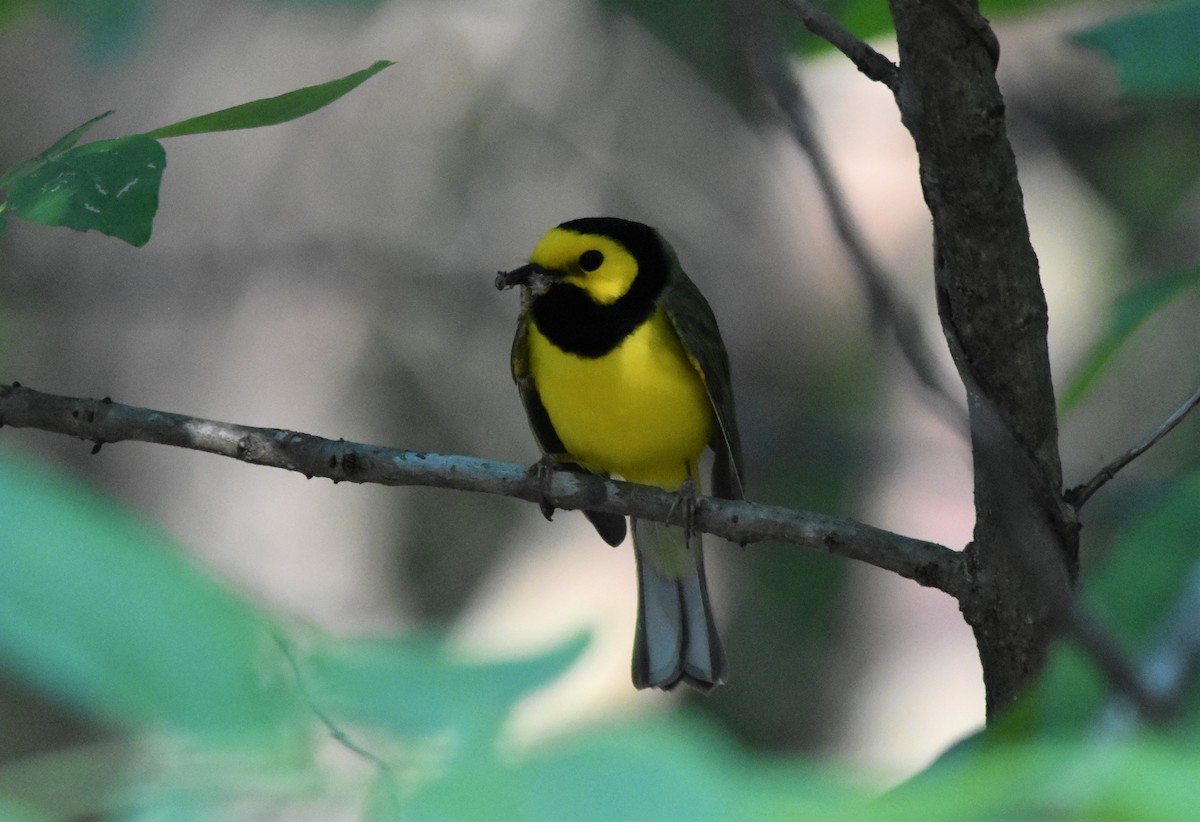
109, 186
868, 19
1130, 311
1154, 51
59, 146
416, 687
272, 110
1131, 596
103, 613
665, 769
1140, 778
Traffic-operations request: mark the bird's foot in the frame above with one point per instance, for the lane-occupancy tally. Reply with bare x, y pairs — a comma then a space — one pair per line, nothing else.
685, 501
543, 469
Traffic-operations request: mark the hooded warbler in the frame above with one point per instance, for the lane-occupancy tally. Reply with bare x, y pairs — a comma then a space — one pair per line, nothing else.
622, 371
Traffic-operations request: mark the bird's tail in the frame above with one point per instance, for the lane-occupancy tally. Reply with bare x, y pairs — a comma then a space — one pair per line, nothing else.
676, 638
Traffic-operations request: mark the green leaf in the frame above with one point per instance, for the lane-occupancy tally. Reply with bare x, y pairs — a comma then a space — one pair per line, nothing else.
673, 768
699, 33
103, 613
60, 145
272, 110
416, 687
108, 29
1154, 51
1129, 312
71, 137
1150, 563
13, 12
1130, 595
109, 186
112, 186
1138, 778
870, 19
11, 810
349, 4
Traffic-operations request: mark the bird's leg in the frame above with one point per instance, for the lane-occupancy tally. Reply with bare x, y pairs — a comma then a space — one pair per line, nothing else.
544, 470
685, 498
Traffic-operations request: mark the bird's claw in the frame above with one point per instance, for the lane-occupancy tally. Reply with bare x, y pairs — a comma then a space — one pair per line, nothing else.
543, 469
685, 499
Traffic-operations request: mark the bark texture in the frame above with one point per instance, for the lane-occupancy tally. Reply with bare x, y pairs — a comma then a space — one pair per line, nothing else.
993, 312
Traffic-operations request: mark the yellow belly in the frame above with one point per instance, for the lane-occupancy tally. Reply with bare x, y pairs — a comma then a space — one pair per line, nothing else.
641, 411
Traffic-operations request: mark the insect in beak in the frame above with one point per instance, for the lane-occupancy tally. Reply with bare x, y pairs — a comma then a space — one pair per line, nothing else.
536, 278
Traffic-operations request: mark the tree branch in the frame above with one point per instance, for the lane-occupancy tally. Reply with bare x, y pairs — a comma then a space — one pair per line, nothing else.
1167, 674
870, 62
774, 81
1132, 689
104, 421
889, 311
1080, 494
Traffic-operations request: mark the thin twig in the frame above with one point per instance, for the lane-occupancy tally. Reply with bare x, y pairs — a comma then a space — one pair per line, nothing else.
1169, 671
104, 421
889, 312
1080, 494
336, 732
1115, 665
870, 62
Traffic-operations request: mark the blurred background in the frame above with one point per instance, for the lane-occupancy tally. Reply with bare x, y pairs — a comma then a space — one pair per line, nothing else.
334, 276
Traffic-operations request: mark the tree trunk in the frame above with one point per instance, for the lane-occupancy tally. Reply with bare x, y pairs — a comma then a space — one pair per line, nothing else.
993, 313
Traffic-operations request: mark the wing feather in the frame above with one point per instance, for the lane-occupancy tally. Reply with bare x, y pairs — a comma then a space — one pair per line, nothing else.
696, 326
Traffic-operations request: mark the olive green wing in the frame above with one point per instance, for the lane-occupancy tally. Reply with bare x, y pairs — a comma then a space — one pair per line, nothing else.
611, 527
539, 420
696, 326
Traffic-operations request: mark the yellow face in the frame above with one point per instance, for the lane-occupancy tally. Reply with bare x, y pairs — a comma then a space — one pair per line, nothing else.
599, 265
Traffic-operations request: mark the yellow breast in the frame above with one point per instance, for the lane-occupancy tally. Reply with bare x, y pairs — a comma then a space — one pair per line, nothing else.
641, 411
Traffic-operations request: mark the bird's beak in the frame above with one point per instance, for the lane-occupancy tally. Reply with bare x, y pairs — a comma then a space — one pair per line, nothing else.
537, 278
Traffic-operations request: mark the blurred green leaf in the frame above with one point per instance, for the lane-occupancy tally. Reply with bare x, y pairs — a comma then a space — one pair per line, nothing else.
1150, 562
1154, 51
109, 28
699, 32
110, 186
1129, 595
103, 613
69, 782
1143, 163
333, 4
1129, 312
14, 11
13, 811
272, 110
1140, 778
869, 19
664, 769
59, 146
419, 687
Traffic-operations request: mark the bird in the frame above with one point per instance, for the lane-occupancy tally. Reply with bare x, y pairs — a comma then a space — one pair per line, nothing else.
622, 371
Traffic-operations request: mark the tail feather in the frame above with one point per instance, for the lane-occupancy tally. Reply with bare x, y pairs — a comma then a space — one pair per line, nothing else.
676, 639
611, 527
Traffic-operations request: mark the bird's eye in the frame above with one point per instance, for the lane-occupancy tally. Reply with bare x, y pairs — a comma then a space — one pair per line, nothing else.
590, 260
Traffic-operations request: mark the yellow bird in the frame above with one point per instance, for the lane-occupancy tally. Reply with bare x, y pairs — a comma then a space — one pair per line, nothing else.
622, 371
